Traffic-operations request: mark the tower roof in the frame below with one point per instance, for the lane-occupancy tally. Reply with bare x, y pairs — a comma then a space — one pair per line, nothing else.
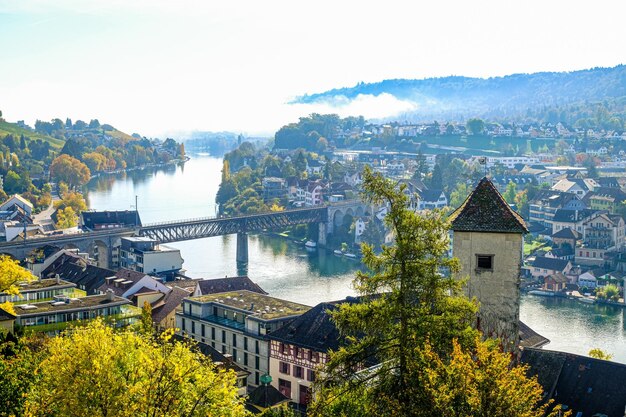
485, 210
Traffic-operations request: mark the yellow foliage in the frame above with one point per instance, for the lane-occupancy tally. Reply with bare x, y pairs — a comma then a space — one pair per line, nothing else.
94, 371
11, 274
276, 207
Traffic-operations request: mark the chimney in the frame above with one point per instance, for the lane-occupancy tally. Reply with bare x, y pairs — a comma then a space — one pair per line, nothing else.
110, 295
57, 277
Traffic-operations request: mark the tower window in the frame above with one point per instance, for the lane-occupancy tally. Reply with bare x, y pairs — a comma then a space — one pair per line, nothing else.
484, 262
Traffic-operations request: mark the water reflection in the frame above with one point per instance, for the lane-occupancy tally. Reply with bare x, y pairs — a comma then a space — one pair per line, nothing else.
288, 271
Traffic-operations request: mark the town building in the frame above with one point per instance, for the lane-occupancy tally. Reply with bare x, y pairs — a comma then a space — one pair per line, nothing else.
586, 386
226, 284
274, 188
300, 348
146, 255
54, 316
432, 199
488, 240
92, 220
544, 206
237, 323
74, 268
544, 266
42, 290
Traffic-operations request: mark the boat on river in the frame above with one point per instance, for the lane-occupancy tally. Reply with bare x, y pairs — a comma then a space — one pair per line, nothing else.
310, 244
338, 252
350, 255
586, 300
544, 293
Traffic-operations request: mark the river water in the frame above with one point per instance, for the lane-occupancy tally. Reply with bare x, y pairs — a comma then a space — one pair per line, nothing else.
309, 277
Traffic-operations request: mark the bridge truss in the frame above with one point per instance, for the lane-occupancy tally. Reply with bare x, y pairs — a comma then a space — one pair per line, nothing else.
211, 226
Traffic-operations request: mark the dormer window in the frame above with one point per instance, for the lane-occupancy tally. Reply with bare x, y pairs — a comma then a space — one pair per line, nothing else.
484, 262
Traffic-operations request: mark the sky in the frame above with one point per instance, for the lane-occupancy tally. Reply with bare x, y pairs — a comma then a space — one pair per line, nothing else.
163, 68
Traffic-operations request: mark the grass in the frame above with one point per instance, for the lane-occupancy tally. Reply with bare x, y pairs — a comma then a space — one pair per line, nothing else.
7, 128
533, 246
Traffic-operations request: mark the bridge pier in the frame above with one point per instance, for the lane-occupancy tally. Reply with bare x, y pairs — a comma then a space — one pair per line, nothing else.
322, 233
242, 248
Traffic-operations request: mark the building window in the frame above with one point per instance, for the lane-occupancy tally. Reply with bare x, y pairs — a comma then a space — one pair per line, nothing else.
310, 375
235, 355
257, 363
193, 327
234, 340
284, 387
245, 358
283, 367
484, 262
298, 372
183, 324
256, 347
203, 331
223, 336
282, 348
245, 343
213, 333
256, 378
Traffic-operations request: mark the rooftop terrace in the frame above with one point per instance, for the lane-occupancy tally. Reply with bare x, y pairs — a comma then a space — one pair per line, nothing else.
260, 305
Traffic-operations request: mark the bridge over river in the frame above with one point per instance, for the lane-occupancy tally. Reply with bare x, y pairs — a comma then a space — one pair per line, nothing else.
102, 242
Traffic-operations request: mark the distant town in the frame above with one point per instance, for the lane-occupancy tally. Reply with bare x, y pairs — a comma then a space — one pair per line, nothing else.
305, 185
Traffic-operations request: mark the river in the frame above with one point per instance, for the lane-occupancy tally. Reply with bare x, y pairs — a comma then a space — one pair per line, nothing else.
287, 271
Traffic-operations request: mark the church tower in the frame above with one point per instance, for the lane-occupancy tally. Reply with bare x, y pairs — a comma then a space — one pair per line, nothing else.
488, 241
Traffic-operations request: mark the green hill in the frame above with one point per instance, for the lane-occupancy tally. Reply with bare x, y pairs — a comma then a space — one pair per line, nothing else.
7, 128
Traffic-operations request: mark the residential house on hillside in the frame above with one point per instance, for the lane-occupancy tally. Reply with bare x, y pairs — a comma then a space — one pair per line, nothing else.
314, 168
16, 201
544, 266
567, 237
572, 219
313, 194
577, 186
606, 198
546, 203
237, 323
273, 188
432, 199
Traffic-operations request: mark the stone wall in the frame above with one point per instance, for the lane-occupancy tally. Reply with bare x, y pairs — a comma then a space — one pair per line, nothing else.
496, 289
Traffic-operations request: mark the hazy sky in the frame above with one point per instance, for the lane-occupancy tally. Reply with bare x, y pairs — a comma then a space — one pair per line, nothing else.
157, 67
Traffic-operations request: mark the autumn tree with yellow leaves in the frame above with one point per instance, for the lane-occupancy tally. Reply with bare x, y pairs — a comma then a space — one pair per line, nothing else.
95, 371
11, 274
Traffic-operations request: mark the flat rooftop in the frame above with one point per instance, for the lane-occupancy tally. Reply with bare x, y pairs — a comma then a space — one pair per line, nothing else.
90, 302
42, 284
263, 306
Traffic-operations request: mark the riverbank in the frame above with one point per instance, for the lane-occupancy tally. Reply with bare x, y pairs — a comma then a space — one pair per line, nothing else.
141, 167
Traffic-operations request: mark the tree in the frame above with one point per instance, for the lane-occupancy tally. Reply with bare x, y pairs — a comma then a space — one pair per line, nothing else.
95, 371
73, 200
147, 325
600, 354
405, 304
436, 179
70, 171
11, 274
66, 218
510, 192
475, 126
415, 324
458, 196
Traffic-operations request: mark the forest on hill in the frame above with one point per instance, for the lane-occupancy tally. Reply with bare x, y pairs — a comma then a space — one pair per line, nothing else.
514, 97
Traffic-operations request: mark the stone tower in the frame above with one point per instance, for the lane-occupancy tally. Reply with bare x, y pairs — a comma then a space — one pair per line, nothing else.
488, 240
